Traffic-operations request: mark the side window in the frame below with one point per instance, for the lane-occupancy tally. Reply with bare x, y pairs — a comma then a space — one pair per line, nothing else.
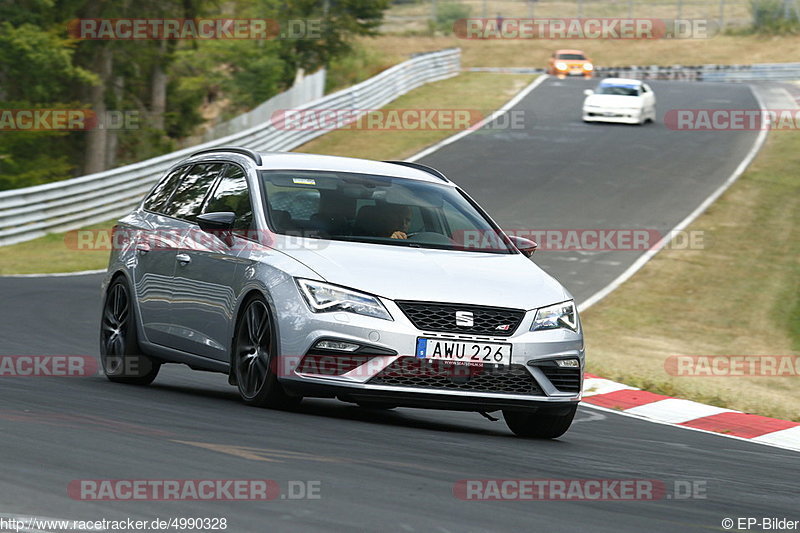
233, 195
300, 203
188, 197
158, 198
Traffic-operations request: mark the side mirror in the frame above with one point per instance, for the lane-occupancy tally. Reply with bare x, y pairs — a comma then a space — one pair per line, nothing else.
219, 224
588, 92
526, 246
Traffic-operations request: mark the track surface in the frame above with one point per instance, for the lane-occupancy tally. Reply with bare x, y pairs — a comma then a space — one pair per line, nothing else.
395, 471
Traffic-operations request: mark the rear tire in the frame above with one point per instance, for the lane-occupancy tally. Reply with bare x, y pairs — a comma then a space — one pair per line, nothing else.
120, 355
255, 358
538, 425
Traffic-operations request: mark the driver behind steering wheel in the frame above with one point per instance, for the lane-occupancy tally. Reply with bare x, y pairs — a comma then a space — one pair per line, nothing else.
400, 217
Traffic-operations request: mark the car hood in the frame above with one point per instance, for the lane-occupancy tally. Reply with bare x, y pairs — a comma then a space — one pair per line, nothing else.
613, 101
402, 273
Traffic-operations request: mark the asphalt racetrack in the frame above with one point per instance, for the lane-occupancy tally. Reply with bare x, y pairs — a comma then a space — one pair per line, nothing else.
396, 470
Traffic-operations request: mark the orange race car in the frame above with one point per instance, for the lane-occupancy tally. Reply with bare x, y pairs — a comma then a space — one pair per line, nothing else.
565, 63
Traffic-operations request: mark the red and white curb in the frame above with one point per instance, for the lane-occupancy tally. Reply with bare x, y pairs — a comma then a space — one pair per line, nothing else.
612, 396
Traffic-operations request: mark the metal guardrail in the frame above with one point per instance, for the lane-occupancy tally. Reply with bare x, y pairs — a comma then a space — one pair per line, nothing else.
756, 72
64, 205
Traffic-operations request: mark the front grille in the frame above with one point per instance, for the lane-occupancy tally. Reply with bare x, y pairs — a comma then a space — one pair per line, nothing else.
564, 379
426, 374
430, 316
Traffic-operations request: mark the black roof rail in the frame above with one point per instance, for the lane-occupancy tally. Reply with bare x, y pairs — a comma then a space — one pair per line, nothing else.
420, 166
252, 154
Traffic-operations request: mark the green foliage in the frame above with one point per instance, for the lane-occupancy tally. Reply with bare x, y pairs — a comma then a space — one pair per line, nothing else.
41, 66
448, 14
39, 63
771, 17
361, 63
36, 71
342, 20
32, 158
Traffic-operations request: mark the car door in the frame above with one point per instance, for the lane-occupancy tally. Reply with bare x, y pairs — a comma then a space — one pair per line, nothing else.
155, 247
204, 296
177, 222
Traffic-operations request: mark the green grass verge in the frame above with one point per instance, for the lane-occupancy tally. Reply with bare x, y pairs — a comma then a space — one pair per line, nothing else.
738, 296
479, 91
55, 252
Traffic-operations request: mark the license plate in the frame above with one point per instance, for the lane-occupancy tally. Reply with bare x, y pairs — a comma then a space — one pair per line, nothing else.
464, 352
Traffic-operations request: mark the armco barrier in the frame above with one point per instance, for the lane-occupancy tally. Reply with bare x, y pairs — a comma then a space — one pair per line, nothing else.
60, 206
756, 72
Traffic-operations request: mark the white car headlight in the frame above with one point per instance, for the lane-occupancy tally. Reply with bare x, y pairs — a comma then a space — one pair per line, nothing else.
325, 298
561, 66
563, 315
588, 66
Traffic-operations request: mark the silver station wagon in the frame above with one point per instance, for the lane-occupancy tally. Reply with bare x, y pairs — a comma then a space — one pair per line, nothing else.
378, 283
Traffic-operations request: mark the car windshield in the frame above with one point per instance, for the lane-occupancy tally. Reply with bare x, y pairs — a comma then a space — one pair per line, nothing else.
376, 209
619, 90
572, 57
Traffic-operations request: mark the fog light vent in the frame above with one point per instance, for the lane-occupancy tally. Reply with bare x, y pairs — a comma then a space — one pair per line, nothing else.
338, 346
568, 363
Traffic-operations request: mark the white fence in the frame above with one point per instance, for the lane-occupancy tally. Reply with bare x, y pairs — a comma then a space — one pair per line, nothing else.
305, 90
63, 205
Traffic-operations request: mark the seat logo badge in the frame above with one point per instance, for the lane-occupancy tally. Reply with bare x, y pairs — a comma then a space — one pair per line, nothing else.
503, 327
465, 318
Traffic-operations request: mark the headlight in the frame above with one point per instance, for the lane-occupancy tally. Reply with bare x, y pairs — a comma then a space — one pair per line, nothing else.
326, 298
561, 66
588, 66
563, 315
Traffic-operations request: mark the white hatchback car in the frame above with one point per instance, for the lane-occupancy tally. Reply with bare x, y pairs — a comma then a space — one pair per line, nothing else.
620, 100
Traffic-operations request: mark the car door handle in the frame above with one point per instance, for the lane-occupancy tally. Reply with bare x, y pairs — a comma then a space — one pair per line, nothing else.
183, 259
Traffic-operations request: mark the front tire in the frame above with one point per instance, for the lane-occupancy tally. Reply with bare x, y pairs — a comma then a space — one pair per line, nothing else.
120, 355
538, 425
255, 359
